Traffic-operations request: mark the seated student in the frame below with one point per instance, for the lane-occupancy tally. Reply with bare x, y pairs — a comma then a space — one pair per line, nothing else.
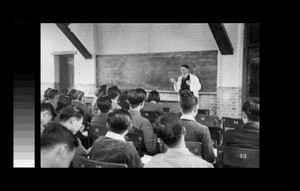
44, 97
248, 135
52, 97
140, 124
113, 147
78, 100
194, 130
58, 145
152, 103
176, 108
71, 117
104, 104
47, 114
123, 100
169, 129
114, 94
63, 101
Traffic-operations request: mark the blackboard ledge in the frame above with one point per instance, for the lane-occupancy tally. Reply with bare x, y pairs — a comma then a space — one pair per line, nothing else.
174, 92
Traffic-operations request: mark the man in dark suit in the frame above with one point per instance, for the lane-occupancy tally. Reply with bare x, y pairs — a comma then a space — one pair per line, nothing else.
248, 135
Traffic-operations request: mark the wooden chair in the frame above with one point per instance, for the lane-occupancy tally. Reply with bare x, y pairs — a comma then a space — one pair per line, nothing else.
208, 120
136, 139
150, 115
237, 157
231, 123
166, 109
203, 111
95, 131
216, 135
194, 147
87, 163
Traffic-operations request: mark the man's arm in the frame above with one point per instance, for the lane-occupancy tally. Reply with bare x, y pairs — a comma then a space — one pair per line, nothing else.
150, 138
195, 83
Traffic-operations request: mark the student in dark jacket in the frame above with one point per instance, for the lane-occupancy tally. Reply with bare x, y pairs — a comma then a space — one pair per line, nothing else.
78, 100
152, 103
104, 105
248, 135
113, 147
123, 102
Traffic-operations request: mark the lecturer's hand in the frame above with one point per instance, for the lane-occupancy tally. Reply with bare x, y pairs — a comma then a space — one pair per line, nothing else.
173, 80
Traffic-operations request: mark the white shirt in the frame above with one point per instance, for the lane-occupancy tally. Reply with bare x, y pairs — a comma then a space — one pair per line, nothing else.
195, 85
113, 135
188, 117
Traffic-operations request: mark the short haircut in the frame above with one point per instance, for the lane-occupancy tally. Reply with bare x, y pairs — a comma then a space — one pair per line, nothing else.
184, 92
78, 95
104, 104
48, 107
188, 102
185, 66
54, 134
135, 98
251, 108
168, 128
153, 96
70, 111
113, 92
51, 93
123, 96
141, 90
119, 120
63, 101
71, 93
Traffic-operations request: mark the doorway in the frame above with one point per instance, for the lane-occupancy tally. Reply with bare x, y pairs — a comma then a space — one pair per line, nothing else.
64, 72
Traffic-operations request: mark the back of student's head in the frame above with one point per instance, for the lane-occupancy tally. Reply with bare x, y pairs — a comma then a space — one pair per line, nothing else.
135, 98
63, 101
48, 107
55, 134
169, 129
71, 93
104, 104
141, 90
251, 108
70, 111
123, 96
119, 120
153, 96
51, 93
113, 92
78, 95
184, 92
188, 103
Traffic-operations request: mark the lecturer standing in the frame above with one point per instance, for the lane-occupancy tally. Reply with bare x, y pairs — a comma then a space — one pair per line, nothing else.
187, 81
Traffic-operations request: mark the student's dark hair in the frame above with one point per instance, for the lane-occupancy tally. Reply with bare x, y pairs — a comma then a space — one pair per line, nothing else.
78, 95
185, 66
71, 93
123, 96
153, 96
70, 111
63, 101
141, 90
168, 128
184, 92
51, 93
118, 120
48, 107
251, 108
113, 92
45, 93
54, 134
188, 102
104, 104
135, 97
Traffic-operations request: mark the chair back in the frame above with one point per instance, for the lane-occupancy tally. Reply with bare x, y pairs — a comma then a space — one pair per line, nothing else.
136, 139
166, 109
231, 123
150, 115
237, 157
194, 147
95, 131
203, 111
87, 163
208, 120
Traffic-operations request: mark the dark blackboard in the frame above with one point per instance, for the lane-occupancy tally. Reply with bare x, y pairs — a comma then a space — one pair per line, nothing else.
153, 71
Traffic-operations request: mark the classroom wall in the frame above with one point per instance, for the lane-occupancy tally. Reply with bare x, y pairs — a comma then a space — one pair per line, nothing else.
102, 39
